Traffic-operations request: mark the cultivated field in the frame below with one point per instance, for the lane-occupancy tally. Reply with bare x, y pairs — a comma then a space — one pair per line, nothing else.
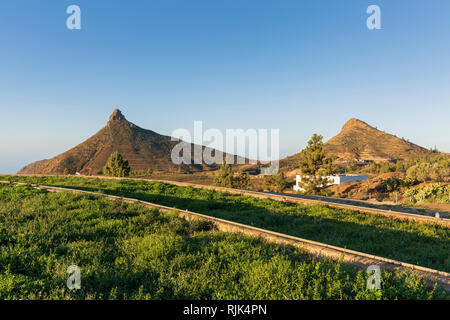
127, 251
426, 245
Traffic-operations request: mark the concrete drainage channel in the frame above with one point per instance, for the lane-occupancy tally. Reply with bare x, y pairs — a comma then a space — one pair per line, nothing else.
293, 199
317, 249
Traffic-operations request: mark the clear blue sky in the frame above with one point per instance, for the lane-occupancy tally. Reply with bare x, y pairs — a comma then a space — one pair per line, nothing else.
300, 66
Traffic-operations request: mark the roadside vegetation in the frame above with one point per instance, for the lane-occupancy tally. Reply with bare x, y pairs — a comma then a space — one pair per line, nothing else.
228, 179
275, 182
435, 167
414, 181
435, 192
427, 245
127, 251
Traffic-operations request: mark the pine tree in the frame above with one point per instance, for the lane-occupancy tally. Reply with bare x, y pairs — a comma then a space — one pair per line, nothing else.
225, 176
314, 166
116, 166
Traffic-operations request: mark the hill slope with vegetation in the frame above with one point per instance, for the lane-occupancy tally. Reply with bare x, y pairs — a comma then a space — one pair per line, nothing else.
359, 141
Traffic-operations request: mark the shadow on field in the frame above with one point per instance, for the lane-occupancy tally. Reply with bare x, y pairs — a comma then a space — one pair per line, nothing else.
407, 246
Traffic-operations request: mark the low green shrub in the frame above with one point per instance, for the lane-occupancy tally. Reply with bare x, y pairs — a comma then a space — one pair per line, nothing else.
435, 192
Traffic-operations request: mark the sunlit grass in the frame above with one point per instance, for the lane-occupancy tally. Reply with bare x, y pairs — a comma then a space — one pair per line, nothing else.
127, 251
427, 245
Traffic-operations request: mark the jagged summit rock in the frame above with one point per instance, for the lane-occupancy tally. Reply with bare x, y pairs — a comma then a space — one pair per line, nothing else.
117, 115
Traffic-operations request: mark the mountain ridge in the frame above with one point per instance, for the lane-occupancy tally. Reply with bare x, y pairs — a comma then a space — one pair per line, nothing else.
144, 149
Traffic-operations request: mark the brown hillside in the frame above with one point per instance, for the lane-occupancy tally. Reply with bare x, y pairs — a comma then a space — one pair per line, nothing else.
360, 141
142, 148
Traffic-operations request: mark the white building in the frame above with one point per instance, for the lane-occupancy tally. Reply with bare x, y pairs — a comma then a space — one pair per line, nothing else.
338, 179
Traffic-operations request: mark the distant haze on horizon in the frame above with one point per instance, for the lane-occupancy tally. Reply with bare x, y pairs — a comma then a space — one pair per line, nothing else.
301, 67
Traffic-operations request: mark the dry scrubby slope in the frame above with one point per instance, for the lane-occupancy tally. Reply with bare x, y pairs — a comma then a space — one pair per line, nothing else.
358, 140
143, 149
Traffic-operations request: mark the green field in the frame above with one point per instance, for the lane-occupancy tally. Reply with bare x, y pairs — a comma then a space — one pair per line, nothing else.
422, 244
127, 251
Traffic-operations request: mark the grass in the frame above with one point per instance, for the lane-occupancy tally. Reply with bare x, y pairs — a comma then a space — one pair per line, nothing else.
127, 251
427, 245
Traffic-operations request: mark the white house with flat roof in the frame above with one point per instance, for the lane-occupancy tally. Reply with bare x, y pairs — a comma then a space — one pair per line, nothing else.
337, 179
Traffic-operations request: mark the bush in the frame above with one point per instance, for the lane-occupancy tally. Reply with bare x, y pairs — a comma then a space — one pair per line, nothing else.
275, 183
425, 171
242, 181
430, 168
393, 184
435, 192
225, 176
